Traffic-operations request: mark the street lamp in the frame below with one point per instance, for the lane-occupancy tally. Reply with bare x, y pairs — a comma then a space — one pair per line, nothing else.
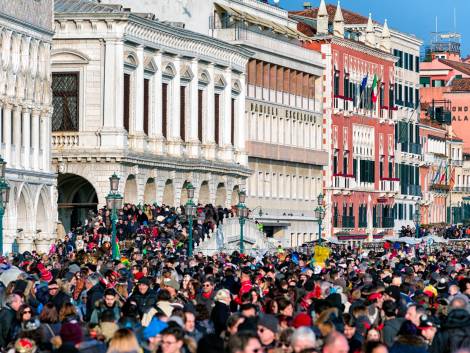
320, 214
417, 219
114, 202
190, 210
242, 213
4, 198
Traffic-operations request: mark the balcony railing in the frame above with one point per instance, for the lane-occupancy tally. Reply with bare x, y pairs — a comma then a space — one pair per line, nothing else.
338, 104
344, 181
65, 139
457, 162
461, 189
390, 184
414, 148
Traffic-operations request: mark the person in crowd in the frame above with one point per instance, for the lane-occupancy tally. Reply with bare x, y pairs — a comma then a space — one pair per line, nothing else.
244, 342
8, 319
303, 339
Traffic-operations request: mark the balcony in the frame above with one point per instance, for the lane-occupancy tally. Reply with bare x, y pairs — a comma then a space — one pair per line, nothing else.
348, 105
385, 222
457, 162
441, 188
465, 189
65, 139
344, 181
338, 104
391, 185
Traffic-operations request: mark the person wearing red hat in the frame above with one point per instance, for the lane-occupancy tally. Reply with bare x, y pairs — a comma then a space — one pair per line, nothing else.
302, 320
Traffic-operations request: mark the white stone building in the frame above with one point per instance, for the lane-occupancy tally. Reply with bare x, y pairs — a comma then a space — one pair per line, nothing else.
25, 119
159, 105
283, 107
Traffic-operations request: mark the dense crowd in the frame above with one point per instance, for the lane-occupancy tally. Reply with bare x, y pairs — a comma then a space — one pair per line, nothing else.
155, 298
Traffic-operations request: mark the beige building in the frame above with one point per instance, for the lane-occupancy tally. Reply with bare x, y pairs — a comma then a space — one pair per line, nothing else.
26, 29
158, 105
283, 110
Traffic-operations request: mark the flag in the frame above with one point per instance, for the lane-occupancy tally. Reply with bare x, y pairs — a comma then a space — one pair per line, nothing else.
374, 89
443, 178
452, 179
437, 175
364, 83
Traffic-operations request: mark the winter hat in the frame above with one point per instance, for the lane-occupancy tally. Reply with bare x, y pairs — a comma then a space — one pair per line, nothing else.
270, 322
25, 345
154, 328
71, 332
223, 296
302, 319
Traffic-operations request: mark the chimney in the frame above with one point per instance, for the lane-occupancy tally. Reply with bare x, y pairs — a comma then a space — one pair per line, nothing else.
322, 19
307, 5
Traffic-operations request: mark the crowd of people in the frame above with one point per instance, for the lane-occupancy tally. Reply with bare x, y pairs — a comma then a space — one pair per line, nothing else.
155, 298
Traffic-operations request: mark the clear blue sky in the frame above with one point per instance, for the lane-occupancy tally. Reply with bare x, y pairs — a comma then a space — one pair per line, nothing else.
410, 16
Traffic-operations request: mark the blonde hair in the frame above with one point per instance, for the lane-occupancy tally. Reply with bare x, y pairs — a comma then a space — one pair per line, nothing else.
124, 341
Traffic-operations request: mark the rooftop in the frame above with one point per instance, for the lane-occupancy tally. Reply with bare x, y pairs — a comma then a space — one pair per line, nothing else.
349, 16
457, 65
84, 6
460, 84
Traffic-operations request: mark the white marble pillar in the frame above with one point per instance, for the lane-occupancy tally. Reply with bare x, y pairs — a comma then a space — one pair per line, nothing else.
240, 122
112, 133
44, 141
193, 143
17, 135
156, 133
26, 155
227, 148
208, 132
35, 138
137, 119
175, 143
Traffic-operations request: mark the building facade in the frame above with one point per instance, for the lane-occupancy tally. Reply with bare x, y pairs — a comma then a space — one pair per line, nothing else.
158, 105
283, 110
360, 182
25, 111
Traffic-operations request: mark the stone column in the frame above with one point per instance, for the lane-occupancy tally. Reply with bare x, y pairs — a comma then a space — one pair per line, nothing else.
226, 122
156, 134
137, 127
174, 143
17, 135
35, 138
208, 138
26, 157
240, 122
44, 141
112, 133
193, 144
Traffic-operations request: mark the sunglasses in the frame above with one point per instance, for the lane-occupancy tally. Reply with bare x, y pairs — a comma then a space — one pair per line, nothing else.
54, 288
27, 312
206, 285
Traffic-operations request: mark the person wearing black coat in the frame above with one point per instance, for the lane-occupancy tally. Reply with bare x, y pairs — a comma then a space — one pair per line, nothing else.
56, 296
95, 292
219, 316
8, 321
144, 297
453, 334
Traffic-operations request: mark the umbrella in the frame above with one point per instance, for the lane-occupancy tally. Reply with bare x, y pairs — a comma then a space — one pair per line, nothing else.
10, 275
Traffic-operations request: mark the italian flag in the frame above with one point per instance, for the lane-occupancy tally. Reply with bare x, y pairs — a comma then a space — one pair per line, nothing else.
374, 89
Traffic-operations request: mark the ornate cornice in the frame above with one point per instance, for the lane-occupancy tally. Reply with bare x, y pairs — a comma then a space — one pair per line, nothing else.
350, 44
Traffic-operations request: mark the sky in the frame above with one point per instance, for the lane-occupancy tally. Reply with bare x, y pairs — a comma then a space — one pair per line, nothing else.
417, 17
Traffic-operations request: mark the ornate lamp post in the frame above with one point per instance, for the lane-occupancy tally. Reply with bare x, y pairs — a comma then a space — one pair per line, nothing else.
190, 210
417, 219
320, 214
242, 213
4, 198
114, 202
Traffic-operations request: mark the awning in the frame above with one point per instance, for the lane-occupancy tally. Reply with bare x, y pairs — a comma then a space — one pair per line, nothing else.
274, 223
255, 20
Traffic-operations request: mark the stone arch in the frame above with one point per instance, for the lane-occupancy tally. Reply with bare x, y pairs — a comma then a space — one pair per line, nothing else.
235, 191
130, 58
204, 193
169, 69
204, 77
42, 224
130, 190
150, 191
220, 195
77, 197
169, 193
23, 211
69, 56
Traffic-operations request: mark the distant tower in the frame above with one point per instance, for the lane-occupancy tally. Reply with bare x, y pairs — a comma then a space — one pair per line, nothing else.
322, 19
370, 34
338, 24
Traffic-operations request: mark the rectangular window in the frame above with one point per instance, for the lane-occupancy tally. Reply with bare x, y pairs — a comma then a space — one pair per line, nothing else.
336, 83
232, 120
183, 113
127, 88
65, 96
200, 96
417, 63
411, 62
346, 85
406, 60
425, 81
164, 109
216, 117
335, 164
146, 105
345, 165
